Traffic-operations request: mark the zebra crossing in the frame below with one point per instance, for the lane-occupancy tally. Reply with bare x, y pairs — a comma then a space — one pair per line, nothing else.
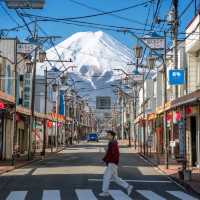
88, 194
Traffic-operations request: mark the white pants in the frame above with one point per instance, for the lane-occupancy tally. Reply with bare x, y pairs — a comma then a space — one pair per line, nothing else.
111, 174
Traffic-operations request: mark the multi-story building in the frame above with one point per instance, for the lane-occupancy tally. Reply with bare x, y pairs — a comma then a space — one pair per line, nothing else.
7, 93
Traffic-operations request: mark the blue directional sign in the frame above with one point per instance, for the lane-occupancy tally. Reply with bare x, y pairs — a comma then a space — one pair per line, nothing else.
176, 76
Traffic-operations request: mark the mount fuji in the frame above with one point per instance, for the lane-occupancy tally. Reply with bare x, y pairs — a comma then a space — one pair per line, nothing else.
95, 55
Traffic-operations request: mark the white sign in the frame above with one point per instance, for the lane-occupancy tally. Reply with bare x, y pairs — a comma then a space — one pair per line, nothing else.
154, 43
172, 143
25, 48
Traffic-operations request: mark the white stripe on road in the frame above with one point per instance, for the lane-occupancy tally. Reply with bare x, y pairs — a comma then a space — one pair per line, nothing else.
135, 181
85, 195
17, 195
51, 195
119, 195
150, 195
181, 195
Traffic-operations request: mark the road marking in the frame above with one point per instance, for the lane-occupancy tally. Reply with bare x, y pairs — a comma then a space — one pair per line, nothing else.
181, 195
51, 195
17, 195
119, 195
135, 181
150, 195
85, 194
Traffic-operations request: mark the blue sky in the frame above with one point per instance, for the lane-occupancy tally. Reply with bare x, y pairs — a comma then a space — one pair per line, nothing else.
69, 8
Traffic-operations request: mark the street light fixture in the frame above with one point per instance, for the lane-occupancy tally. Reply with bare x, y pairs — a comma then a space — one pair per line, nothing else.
54, 87
138, 51
63, 78
151, 61
29, 67
42, 56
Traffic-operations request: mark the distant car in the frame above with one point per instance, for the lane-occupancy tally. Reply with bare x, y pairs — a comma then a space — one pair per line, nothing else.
92, 137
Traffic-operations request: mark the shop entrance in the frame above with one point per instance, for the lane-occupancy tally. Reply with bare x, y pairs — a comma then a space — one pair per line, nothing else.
193, 128
1, 135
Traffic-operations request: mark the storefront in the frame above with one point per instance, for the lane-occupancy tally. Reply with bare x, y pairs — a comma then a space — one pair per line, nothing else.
6, 126
187, 114
1, 132
22, 131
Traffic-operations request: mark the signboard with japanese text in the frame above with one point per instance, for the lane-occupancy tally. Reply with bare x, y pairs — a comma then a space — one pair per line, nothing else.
154, 43
25, 48
27, 90
181, 127
176, 76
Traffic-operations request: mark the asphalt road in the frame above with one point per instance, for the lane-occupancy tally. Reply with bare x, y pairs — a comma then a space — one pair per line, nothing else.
76, 174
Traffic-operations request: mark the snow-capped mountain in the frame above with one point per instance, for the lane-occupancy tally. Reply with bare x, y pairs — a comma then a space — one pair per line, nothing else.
95, 55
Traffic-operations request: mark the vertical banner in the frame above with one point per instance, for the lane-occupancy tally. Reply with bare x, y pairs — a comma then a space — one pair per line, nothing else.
181, 127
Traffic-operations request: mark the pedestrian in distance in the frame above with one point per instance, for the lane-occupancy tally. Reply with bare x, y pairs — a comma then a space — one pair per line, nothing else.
111, 159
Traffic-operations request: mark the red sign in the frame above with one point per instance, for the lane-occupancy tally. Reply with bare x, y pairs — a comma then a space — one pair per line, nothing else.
49, 124
2, 106
188, 110
178, 116
169, 117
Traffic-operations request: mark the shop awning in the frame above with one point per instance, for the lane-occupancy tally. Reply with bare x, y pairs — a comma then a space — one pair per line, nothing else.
186, 99
7, 98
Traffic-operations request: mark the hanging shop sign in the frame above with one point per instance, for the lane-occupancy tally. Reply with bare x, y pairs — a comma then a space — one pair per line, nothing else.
181, 139
154, 42
176, 76
25, 48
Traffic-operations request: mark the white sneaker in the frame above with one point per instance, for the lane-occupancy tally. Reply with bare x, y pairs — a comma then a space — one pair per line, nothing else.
104, 194
129, 190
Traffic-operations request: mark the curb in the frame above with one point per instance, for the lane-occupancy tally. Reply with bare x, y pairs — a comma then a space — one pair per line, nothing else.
177, 181
31, 161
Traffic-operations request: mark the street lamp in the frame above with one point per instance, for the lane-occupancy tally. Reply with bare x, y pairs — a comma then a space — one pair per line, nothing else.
63, 78
29, 67
151, 61
138, 54
138, 51
54, 87
42, 56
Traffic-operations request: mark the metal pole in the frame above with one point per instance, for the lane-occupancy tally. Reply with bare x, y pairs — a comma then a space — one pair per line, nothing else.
45, 112
32, 97
131, 122
122, 118
32, 105
175, 42
144, 126
57, 113
15, 108
165, 100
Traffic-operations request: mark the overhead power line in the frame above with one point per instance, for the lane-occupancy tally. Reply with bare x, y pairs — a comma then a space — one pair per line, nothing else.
114, 15
99, 14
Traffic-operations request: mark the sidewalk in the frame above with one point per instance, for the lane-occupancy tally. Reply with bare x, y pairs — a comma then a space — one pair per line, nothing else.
173, 169
6, 166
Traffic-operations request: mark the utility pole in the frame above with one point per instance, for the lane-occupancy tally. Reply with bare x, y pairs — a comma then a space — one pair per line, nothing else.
175, 25
143, 111
15, 108
45, 112
165, 101
32, 97
122, 117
